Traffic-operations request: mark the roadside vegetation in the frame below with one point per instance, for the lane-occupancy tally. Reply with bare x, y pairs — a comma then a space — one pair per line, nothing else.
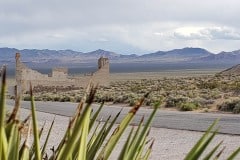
84, 139
205, 93
80, 143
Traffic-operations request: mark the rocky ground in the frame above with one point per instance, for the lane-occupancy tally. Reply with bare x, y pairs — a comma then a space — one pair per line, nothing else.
169, 144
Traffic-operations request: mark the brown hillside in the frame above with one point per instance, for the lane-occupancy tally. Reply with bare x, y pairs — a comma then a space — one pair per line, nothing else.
235, 70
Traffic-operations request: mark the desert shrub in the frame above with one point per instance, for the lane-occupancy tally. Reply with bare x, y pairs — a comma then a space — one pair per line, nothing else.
174, 101
188, 106
131, 102
215, 94
227, 106
191, 95
56, 98
208, 84
26, 98
47, 98
206, 96
235, 86
108, 98
120, 99
148, 102
38, 99
201, 102
152, 100
78, 99
65, 99
236, 109
230, 106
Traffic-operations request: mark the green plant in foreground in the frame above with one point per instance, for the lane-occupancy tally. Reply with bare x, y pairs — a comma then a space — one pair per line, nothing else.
78, 142
201, 146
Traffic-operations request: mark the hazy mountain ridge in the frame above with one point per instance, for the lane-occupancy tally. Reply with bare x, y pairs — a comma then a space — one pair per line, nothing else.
177, 55
188, 55
223, 56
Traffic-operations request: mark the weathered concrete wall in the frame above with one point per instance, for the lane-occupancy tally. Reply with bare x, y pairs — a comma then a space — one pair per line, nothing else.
60, 72
59, 76
101, 76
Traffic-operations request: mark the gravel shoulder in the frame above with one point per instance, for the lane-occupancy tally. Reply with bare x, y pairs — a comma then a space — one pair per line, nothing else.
170, 144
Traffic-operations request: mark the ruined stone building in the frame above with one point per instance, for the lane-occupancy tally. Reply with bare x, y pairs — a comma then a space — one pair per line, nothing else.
59, 76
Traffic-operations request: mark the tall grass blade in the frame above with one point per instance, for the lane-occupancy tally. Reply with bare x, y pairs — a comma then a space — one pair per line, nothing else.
200, 142
203, 147
62, 144
13, 142
83, 141
98, 141
143, 134
148, 152
35, 127
32, 149
140, 149
234, 154
68, 150
103, 129
72, 140
97, 144
3, 139
47, 138
24, 153
24, 122
219, 153
112, 123
210, 154
94, 135
137, 134
13, 115
126, 145
89, 89
93, 119
106, 151
102, 135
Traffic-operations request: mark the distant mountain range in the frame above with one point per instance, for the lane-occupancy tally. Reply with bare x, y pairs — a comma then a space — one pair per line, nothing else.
70, 57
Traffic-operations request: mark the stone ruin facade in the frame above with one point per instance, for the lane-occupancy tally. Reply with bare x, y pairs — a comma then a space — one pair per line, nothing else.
59, 77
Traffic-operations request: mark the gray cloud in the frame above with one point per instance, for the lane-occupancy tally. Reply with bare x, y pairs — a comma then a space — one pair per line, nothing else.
211, 33
119, 25
223, 33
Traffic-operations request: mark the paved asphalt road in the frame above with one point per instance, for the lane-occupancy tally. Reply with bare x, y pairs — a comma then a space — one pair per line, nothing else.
229, 123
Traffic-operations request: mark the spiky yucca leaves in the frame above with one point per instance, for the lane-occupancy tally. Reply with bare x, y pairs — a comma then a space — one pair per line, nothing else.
78, 142
204, 141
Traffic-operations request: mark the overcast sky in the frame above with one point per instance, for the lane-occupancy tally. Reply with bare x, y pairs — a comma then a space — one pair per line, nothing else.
122, 26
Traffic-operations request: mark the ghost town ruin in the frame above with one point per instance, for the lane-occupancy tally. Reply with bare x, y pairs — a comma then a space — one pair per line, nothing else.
59, 77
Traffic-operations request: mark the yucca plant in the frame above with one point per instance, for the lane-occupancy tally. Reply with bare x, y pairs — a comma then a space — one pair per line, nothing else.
81, 140
201, 146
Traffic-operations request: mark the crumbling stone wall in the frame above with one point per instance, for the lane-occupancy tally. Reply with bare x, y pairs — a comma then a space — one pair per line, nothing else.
60, 72
101, 76
59, 76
